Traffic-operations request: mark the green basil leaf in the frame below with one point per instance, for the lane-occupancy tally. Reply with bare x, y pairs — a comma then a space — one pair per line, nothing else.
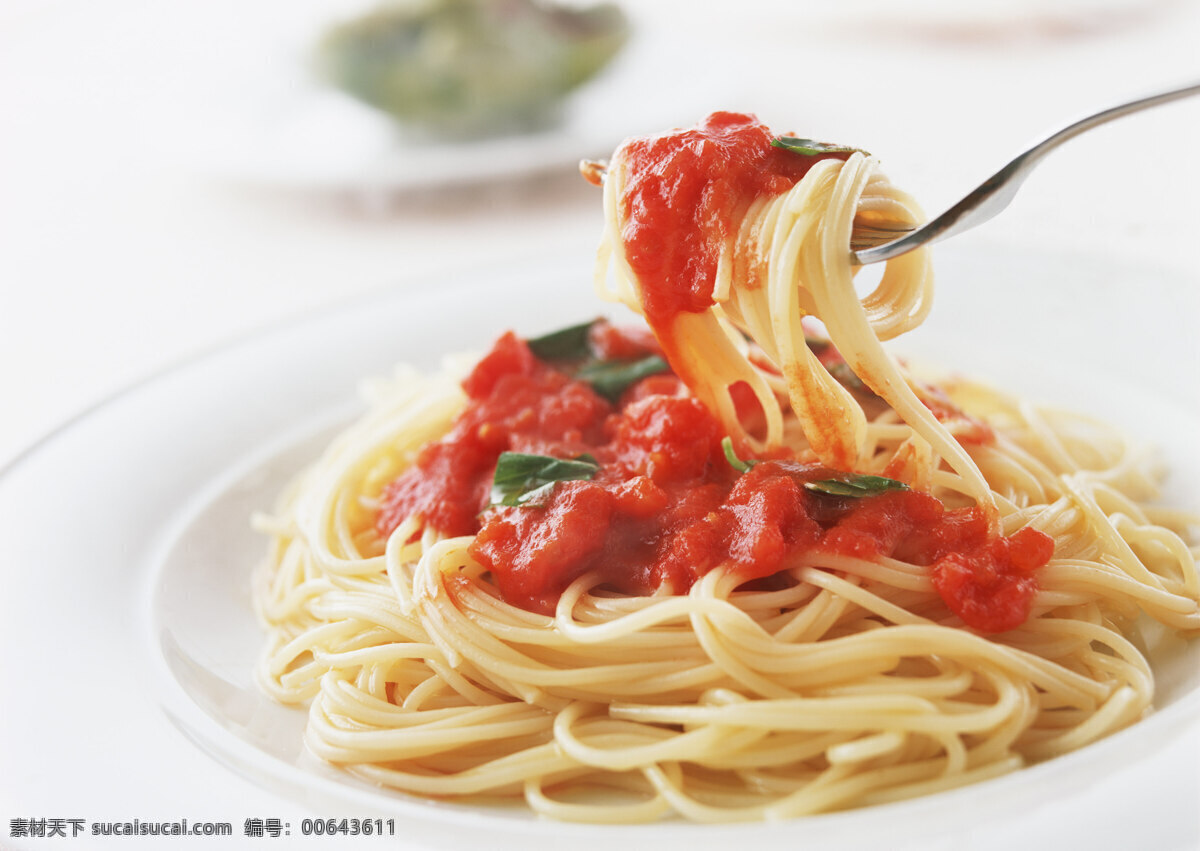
524, 479
569, 343
610, 378
734, 461
811, 147
853, 485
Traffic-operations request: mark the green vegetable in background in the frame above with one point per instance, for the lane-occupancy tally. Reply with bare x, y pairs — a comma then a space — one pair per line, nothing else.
466, 68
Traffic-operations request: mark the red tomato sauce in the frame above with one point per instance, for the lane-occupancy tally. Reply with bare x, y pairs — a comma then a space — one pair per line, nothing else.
665, 506
684, 192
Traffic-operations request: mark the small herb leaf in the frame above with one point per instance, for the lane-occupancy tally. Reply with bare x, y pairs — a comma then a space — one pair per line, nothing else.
523, 479
569, 343
610, 378
811, 147
734, 461
853, 485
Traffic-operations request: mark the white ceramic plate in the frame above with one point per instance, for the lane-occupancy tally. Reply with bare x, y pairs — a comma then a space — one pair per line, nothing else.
128, 638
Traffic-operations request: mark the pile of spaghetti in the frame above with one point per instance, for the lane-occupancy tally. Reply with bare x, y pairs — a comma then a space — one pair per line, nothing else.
734, 563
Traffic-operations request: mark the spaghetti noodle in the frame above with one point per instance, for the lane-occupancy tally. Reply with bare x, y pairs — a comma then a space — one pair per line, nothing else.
781, 577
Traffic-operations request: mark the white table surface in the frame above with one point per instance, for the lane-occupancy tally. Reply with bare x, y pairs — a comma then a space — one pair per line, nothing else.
126, 246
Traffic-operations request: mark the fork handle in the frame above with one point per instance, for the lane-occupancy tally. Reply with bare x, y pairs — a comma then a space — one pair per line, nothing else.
998, 191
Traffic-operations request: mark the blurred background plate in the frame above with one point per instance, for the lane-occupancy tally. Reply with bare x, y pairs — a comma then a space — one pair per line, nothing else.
277, 124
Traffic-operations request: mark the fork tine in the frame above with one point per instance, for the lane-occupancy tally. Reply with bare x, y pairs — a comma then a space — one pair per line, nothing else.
869, 236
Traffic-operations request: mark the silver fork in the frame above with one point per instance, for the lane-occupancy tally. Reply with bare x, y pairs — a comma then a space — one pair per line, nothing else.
874, 244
